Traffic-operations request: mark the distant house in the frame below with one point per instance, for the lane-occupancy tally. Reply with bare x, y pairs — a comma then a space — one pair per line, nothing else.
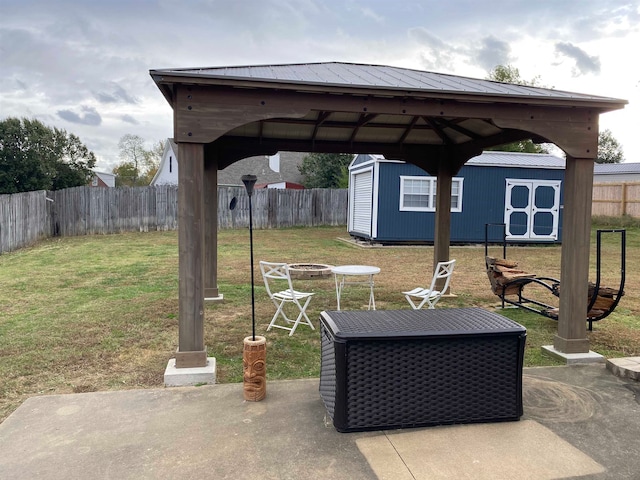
616, 172
167, 173
391, 201
102, 179
276, 171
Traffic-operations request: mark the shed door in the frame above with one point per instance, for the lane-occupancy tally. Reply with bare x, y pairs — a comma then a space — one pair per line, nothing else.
361, 198
532, 209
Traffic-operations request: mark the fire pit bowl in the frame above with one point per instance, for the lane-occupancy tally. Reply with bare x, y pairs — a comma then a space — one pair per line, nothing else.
309, 270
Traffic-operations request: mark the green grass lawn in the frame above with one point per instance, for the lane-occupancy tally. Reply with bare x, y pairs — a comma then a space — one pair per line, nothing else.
101, 312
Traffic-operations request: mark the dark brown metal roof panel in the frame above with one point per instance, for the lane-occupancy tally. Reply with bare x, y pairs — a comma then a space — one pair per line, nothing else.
336, 74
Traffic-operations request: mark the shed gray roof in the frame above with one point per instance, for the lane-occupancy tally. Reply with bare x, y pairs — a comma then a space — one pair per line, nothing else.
516, 159
616, 168
340, 74
493, 159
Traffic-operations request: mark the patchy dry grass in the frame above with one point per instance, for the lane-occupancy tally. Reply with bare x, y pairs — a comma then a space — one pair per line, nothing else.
100, 313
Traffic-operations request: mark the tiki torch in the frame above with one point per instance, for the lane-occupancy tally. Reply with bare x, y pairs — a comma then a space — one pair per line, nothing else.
254, 354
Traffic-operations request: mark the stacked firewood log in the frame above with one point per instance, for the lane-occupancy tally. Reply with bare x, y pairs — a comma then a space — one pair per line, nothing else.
604, 301
502, 274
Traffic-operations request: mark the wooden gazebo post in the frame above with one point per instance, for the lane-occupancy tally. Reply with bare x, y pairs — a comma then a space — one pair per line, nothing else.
191, 225
572, 330
448, 165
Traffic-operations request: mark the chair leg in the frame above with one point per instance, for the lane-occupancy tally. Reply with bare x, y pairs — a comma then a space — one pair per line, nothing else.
413, 305
303, 313
279, 310
424, 300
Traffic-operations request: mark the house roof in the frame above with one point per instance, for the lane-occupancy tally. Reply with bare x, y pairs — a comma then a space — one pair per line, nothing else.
259, 166
616, 168
109, 179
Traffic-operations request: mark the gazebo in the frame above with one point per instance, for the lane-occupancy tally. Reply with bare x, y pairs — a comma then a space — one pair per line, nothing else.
432, 120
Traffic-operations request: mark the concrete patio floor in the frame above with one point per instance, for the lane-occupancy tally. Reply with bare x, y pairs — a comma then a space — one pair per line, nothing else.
579, 421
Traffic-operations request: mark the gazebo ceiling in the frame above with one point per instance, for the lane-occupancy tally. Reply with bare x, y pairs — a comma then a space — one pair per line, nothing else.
354, 108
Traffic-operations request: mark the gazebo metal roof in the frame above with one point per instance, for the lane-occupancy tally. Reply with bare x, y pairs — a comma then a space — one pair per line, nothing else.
378, 77
373, 109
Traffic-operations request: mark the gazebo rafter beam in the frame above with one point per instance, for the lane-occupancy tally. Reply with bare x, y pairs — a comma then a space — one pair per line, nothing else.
409, 129
436, 128
454, 126
322, 117
363, 120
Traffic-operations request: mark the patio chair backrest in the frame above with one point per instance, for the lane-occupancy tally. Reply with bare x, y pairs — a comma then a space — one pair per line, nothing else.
443, 271
277, 272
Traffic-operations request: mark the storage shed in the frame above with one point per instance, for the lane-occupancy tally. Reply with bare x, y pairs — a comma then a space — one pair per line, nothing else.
391, 201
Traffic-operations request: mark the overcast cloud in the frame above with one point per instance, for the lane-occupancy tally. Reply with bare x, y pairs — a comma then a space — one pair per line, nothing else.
584, 63
83, 65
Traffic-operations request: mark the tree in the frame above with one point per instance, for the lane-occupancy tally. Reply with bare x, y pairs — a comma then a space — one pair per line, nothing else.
324, 170
34, 156
126, 175
510, 74
139, 165
152, 161
609, 149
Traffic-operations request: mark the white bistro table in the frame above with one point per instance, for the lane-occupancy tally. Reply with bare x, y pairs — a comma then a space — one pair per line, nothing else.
341, 272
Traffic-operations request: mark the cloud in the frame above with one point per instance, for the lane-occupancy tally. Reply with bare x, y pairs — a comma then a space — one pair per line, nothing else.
493, 52
434, 53
368, 12
129, 119
584, 63
90, 116
116, 95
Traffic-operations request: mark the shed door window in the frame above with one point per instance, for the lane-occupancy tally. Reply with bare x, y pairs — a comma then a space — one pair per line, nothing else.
418, 194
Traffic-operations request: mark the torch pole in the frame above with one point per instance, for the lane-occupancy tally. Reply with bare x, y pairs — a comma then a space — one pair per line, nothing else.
253, 297
249, 181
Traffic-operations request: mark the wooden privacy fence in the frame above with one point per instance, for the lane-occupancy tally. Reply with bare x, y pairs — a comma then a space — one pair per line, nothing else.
616, 199
24, 219
27, 217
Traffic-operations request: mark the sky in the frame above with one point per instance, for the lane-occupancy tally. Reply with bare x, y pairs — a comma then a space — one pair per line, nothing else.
83, 65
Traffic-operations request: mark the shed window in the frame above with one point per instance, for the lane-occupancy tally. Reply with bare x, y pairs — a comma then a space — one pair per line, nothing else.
418, 194
170, 164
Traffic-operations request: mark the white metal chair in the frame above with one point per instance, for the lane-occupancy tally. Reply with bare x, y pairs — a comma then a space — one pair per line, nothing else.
430, 295
277, 274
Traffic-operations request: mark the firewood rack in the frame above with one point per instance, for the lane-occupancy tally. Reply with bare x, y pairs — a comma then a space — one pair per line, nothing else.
507, 281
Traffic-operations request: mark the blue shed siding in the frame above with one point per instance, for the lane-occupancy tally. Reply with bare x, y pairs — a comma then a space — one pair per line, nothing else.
394, 225
483, 201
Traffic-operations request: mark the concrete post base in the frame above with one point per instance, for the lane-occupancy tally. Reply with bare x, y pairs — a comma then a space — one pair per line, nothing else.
183, 377
218, 298
573, 358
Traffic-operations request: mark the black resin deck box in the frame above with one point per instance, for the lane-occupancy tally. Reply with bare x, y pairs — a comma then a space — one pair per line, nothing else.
409, 368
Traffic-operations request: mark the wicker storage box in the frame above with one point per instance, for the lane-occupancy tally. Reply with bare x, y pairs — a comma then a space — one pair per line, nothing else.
409, 368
